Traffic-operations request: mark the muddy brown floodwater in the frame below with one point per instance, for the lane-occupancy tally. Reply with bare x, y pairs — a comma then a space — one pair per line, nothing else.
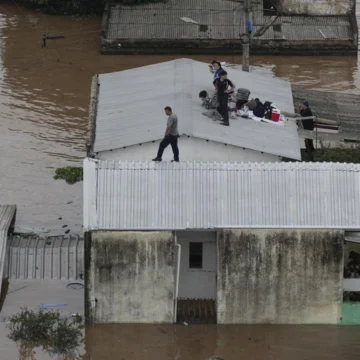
44, 96
196, 342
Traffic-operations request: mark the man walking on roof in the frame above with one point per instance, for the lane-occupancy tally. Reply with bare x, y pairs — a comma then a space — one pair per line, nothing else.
171, 136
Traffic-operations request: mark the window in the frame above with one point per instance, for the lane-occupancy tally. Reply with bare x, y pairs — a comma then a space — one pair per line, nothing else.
196, 255
270, 7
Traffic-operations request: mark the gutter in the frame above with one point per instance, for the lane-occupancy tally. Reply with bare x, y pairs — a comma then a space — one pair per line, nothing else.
177, 277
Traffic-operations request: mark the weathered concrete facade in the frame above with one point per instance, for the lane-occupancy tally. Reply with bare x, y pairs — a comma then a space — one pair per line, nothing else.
316, 7
279, 276
129, 277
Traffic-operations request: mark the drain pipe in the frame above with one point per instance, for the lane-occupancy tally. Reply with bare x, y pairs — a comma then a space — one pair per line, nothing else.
177, 276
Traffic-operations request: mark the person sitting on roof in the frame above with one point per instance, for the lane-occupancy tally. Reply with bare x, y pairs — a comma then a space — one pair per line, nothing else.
207, 101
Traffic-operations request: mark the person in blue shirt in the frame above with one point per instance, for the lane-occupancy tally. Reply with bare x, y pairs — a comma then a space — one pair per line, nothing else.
216, 69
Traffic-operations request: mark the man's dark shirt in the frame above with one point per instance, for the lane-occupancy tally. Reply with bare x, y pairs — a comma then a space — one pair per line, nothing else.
308, 124
222, 86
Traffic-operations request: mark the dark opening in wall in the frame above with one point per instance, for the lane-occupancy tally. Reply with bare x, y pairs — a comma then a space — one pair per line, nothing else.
195, 255
352, 269
270, 7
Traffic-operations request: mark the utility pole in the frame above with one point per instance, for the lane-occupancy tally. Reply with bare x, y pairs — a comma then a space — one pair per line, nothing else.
246, 47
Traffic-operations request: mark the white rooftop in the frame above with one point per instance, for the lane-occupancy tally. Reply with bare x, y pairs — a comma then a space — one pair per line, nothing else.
195, 195
130, 108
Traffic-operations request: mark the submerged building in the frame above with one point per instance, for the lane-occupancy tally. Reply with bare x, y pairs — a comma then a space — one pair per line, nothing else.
127, 119
301, 27
229, 243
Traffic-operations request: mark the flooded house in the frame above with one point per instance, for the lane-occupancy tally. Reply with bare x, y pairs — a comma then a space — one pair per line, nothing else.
127, 119
293, 27
226, 243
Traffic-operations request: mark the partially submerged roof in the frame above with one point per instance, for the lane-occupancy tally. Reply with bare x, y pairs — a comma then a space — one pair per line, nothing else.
309, 28
7, 216
34, 257
130, 108
195, 195
163, 20
215, 20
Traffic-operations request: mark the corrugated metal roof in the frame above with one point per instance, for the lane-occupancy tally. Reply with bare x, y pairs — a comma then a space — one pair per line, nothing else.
222, 20
7, 214
310, 28
192, 195
34, 257
131, 108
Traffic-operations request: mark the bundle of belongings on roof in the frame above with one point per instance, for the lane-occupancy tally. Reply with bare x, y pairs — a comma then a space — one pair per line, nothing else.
241, 106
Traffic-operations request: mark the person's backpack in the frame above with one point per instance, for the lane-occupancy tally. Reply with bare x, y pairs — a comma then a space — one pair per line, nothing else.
259, 110
268, 109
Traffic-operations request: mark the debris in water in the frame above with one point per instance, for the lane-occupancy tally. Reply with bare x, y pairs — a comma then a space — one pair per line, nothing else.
185, 323
53, 306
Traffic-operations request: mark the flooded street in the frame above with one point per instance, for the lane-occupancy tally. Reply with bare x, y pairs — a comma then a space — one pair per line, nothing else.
45, 96
196, 342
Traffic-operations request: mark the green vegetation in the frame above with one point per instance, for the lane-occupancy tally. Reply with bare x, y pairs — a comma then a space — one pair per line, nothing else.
66, 7
342, 154
70, 174
45, 329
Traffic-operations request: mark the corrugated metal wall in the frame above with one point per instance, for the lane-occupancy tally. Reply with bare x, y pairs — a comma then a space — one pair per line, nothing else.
34, 257
194, 195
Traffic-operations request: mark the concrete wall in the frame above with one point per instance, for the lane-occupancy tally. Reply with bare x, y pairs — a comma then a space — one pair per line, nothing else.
316, 7
191, 149
197, 283
277, 276
131, 274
